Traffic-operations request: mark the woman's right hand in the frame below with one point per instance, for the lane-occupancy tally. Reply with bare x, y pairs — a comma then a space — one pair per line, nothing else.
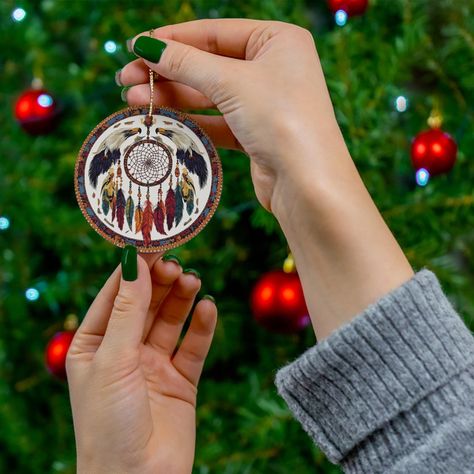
266, 80
263, 76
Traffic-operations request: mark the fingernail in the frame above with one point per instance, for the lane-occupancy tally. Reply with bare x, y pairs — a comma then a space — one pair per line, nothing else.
129, 263
123, 93
192, 272
210, 298
118, 81
129, 45
171, 258
148, 48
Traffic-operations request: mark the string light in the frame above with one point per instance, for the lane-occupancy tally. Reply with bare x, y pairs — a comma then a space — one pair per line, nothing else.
18, 14
110, 46
422, 177
4, 223
32, 294
45, 100
340, 17
401, 103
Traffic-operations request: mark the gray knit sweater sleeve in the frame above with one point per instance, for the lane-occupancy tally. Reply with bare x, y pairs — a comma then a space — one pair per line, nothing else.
393, 390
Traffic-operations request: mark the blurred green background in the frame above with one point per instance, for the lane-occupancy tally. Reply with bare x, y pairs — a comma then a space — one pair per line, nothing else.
422, 50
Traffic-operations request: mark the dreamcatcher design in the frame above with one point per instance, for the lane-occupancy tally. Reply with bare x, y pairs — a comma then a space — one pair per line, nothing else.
149, 178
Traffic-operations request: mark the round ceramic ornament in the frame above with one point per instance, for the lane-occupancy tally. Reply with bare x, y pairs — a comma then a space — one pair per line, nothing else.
148, 177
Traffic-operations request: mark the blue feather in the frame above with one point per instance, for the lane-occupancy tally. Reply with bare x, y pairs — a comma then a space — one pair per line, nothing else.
190, 202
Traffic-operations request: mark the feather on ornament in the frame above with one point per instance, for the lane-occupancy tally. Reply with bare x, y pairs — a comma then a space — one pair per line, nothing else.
113, 205
105, 202
129, 209
194, 162
101, 162
147, 223
120, 208
138, 218
159, 217
170, 204
178, 214
190, 202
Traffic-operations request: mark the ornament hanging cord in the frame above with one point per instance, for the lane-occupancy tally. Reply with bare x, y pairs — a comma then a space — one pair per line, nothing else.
152, 85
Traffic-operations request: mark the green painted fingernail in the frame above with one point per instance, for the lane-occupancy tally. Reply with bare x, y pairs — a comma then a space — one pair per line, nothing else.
129, 263
210, 298
148, 48
123, 93
192, 272
171, 258
118, 81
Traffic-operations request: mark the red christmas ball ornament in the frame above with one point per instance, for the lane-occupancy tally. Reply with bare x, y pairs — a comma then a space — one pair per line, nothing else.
278, 303
36, 111
351, 7
433, 150
56, 351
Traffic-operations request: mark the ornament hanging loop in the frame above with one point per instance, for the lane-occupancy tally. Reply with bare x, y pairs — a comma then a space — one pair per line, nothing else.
152, 85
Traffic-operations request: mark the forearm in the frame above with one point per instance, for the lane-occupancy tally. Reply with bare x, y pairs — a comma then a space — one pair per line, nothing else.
345, 254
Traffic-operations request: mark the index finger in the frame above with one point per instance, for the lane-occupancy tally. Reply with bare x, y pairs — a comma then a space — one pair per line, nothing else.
223, 36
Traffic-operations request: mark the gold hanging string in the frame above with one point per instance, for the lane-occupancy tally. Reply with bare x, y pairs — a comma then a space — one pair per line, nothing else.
152, 85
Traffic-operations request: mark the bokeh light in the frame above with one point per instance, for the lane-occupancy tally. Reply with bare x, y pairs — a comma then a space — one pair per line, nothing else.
110, 46
422, 177
18, 14
340, 17
4, 223
401, 103
45, 100
32, 294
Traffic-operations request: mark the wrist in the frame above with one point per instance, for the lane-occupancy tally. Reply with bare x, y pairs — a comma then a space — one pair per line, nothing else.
345, 254
314, 172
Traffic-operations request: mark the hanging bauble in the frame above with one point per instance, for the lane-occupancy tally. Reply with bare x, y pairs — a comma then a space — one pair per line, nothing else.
433, 150
278, 303
36, 111
56, 352
351, 7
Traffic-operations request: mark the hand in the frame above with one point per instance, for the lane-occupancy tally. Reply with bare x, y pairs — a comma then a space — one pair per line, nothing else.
263, 76
133, 399
266, 79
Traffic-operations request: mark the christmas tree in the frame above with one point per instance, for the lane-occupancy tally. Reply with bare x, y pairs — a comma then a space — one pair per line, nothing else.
388, 69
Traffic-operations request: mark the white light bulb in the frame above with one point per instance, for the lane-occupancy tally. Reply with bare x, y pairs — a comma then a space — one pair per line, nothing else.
32, 294
110, 46
18, 14
422, 177
340, 17
401, 103
45, 100
4, 223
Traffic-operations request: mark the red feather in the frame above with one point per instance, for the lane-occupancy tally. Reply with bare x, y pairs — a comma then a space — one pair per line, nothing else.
170, 207
159, 216
114, 207
120, 208
147, 223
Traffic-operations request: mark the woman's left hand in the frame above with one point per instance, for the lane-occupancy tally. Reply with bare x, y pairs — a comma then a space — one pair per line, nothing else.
133, 396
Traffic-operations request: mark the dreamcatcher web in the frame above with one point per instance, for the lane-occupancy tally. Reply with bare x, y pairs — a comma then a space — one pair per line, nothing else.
148, 162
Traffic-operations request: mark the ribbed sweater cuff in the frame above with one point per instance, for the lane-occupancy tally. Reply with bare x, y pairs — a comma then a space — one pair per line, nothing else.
369, 378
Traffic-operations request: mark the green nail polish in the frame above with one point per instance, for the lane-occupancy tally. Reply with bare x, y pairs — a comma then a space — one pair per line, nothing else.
129, 263
171, 258
118, 81
210, 298
192, 272
148, 48
123, 93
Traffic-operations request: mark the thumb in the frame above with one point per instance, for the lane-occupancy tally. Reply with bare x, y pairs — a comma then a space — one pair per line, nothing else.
201, 70
127, 320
